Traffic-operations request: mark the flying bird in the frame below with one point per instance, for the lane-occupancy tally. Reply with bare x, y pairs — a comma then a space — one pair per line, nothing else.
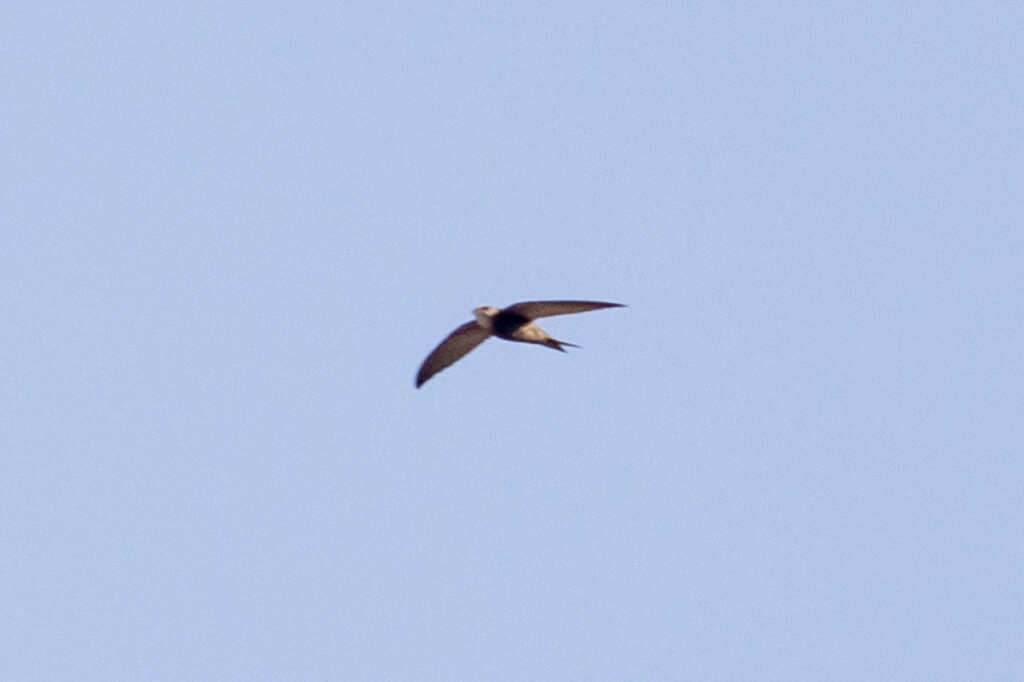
514, 323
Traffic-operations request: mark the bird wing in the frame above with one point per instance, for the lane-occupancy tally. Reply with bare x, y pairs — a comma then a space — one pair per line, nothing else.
535, 309
458, 343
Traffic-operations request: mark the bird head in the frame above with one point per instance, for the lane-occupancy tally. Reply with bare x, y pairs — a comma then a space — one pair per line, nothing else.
484, 315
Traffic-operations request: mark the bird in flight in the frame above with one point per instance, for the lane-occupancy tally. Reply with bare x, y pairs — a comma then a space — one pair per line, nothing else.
514, 323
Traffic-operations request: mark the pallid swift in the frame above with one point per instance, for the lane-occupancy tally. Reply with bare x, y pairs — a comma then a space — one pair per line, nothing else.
514, 323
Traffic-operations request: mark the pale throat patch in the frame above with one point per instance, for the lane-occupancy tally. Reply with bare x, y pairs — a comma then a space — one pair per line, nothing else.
485, 316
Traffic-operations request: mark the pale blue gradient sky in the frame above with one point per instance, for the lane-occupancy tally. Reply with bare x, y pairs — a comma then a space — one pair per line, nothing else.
232, 232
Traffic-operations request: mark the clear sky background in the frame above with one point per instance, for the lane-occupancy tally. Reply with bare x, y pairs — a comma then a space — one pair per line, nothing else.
231, 233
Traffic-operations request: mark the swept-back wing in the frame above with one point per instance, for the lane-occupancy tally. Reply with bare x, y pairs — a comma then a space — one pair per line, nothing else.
535, 309
458, 343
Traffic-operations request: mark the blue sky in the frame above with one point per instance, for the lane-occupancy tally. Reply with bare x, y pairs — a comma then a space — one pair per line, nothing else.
232, 233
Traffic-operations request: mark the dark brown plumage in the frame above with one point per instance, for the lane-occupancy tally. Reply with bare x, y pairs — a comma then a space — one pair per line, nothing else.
514, 323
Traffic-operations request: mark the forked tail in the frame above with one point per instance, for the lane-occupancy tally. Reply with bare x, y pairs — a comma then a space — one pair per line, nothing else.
557, 345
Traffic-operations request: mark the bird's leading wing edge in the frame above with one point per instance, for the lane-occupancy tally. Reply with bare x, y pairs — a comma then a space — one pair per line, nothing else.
458, 343
535, 309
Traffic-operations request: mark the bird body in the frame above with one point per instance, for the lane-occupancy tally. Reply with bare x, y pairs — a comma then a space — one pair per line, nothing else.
514, 326
514, 323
